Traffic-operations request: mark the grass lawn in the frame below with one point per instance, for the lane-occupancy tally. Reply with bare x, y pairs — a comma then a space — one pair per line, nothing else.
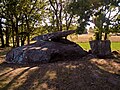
114, 45
85, 45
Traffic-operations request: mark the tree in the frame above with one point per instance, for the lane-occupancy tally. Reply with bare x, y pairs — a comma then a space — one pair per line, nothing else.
104, 18
19, 17
83, 9
1, 35
59, 18
11, 17
101, 10
116, 25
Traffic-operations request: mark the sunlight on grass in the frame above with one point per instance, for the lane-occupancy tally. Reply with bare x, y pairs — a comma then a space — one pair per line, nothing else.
43, 86
4, 71
108, 65
9, 77
51, 75
23, 78
115, 45
84, 45
71, 67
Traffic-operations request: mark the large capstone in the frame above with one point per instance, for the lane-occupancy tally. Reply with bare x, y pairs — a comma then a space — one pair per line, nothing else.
43, 51
53, 36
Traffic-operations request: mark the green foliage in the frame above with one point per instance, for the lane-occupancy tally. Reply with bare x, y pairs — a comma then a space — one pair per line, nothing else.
21, 17
100, 11
58, 16
103, 18
81, 8
116, 26
86, 9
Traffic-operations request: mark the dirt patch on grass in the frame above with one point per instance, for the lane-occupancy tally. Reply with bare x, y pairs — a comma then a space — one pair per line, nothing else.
115, 38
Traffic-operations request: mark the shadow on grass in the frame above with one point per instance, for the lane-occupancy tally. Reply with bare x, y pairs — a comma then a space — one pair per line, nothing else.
29, 83
67, 75
14, 79
6, 72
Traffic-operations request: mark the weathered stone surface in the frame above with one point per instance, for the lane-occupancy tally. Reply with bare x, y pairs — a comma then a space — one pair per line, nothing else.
101, 48
53, 36
45, 51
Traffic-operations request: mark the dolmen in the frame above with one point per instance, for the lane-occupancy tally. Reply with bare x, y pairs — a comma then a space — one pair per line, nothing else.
50, 47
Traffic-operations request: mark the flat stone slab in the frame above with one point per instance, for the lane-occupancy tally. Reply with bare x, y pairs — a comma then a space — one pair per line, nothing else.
53, 36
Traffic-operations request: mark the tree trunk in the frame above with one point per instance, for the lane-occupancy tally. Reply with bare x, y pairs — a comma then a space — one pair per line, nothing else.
68, 20
7, 37
100, 48
17, 33
23, 40
28, 30
1, 36
105, 38
60, 17
2, 41
13, 39
23, 33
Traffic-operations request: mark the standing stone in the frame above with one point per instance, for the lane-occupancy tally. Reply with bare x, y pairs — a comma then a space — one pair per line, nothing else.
101, 48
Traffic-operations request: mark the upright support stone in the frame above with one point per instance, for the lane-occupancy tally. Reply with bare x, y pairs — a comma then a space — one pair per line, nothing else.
101, 48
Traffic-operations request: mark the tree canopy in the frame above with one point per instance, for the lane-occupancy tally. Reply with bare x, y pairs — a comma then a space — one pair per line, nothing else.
21, 19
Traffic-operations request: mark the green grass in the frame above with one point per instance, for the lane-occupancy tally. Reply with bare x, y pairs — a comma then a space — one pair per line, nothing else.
114, 45
85, 45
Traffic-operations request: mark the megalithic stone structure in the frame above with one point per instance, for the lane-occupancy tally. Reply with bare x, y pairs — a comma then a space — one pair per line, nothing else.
48, 48
53, 36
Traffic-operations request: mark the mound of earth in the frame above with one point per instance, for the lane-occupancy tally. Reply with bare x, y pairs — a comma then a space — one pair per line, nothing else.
48, 48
